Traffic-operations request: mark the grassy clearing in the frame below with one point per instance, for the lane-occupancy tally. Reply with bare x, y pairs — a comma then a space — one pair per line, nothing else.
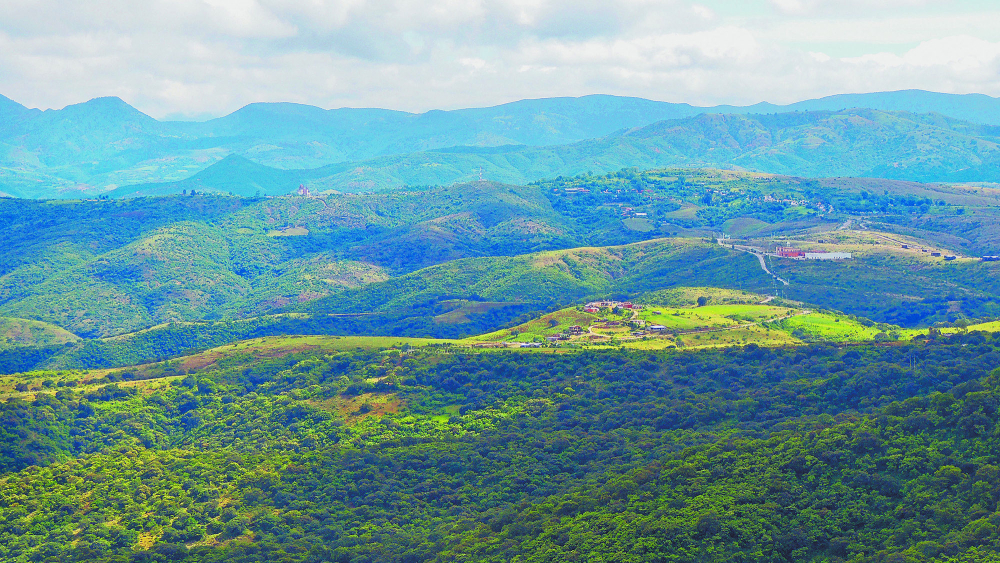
993, 326
638, 224
740, 336
24, 332
552, 323
835, 328
289, 232
711, 316
612, 329
358, 408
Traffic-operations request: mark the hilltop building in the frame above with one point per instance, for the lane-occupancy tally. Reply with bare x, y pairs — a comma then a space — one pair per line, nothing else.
828, 255
596, 306
789, 252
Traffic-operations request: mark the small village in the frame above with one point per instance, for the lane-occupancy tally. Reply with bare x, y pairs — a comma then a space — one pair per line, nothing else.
609, 322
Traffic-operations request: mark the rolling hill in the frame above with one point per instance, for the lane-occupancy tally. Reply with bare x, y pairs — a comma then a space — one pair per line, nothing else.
100, 268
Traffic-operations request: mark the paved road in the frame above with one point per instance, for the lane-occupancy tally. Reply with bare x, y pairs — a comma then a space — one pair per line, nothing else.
756, 252
764, 266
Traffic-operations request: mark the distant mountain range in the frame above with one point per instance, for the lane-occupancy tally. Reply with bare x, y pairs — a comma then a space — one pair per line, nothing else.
107, 146
856, 142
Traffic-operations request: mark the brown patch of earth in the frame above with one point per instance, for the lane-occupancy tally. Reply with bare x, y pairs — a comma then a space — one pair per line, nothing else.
356, 409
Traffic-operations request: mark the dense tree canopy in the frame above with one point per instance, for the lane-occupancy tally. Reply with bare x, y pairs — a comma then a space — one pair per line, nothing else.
873, 453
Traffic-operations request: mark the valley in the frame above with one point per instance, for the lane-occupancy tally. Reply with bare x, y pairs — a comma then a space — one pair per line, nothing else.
327, 281
693, 364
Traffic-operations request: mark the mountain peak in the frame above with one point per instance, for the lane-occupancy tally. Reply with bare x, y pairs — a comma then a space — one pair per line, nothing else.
111, 108
10, 108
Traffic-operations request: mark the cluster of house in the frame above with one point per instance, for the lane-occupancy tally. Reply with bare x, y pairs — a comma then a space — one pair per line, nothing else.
574, 330
795, 202
631, 212
596, 306
788, 201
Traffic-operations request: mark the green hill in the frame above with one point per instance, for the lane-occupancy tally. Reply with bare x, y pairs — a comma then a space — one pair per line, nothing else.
100, 268
22, 332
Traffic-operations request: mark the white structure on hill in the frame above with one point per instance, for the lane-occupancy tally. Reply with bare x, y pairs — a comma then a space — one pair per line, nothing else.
828, 255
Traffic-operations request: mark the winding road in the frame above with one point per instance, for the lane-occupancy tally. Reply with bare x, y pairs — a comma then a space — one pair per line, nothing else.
763, 265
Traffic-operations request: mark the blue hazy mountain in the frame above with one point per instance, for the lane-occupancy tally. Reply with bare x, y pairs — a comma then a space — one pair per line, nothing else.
105, 145
855, 142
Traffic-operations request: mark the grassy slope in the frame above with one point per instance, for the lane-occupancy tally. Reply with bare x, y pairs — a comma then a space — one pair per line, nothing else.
690, 328
23, 332
555, 276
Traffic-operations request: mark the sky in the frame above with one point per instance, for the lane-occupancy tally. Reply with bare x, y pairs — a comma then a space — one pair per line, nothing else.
195, 59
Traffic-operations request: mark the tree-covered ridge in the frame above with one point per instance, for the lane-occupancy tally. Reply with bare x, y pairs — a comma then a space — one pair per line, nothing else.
862, 453
108, 267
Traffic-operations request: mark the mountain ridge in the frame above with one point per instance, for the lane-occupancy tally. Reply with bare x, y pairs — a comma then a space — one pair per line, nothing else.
857, 142
103, 144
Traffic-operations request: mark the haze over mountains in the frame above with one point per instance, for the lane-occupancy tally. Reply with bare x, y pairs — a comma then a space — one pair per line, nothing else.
105, 146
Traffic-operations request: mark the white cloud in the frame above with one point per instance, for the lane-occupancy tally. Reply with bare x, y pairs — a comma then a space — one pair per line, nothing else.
197, 56
853, 8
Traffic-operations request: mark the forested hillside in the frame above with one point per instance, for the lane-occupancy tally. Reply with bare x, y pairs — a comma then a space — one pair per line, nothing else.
808, 454
459, 261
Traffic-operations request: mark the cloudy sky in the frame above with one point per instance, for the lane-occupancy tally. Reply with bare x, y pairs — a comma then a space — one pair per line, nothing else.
201, 58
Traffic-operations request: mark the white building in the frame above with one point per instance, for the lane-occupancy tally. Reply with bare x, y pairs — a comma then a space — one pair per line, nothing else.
828, 255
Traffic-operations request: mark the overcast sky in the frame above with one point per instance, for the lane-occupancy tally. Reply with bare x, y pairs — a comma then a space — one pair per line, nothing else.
202, 58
